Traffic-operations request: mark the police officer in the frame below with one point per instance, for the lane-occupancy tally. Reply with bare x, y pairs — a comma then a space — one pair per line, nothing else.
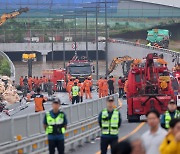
38, 100
171, 113
55, 123
109, 121
75, 93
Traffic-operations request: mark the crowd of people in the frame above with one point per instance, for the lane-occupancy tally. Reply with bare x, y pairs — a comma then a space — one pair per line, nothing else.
156, 140
28, 84
162, 137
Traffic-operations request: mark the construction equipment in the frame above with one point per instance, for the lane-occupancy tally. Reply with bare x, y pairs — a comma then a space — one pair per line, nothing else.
158, 38
77, 67
116, 61
11, 15
149, 87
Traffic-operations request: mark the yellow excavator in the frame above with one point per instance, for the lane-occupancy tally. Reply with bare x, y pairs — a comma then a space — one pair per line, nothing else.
116, 61
11, 15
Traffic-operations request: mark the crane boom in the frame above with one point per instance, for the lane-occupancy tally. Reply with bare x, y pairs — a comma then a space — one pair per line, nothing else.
11, 15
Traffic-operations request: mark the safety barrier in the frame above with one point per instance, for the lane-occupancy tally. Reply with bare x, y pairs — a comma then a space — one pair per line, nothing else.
31, 125
148, 47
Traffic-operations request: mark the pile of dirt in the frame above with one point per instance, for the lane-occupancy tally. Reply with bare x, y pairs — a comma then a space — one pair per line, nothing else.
8, 92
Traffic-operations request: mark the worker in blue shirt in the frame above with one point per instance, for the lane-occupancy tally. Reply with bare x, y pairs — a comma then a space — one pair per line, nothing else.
55, 123
170, 114
109, 121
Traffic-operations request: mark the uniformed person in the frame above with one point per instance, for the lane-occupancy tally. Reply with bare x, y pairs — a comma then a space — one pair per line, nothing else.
109, 122
55, 123
75, 91
49, 87
38, 100
170, 114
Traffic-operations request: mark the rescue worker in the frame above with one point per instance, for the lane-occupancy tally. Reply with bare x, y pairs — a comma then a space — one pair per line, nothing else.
111, 85
21, 81
55, 123
81, 86
105, 87
100, 85
37, 82
45, 80
38, 100
87, 88
25, 86
30, 83
171, 113
121, 87
69, 87
109, 121
49, 87
76, 80
41, 83
75, 93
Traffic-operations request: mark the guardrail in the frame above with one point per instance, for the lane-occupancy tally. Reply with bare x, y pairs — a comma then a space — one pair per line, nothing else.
147, 47
30, 126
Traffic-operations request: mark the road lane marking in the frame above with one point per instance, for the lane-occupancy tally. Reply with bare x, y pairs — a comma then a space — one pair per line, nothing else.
128, 135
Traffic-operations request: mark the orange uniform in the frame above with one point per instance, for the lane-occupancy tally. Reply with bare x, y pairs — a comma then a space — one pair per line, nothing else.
87, 87
76, 80
36, 82
100, 87
39, 100
69, 87
81, 86
30, 80
105, 88
21, 81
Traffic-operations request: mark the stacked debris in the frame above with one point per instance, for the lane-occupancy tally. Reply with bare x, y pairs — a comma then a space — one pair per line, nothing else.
8, 92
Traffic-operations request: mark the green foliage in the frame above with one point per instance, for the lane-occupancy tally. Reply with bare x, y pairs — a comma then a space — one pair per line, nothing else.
4, 67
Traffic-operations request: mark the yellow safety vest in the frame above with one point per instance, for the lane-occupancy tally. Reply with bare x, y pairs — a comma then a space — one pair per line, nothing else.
168, 117
109, 126
75, 90
53, 123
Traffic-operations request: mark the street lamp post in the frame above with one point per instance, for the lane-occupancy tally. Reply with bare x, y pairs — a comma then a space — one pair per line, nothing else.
64, 56
86, 38
106, 43
97, 53
75, 36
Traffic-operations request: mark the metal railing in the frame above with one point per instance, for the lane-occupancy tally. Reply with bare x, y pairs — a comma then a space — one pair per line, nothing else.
80, 117
147, 47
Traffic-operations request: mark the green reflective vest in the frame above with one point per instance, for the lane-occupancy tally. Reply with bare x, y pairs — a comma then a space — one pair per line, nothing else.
109, 126
53, 123
168, 117
75, 91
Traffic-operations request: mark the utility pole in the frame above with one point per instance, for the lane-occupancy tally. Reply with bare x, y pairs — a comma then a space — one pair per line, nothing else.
106, 43
86, 37
64, 55
97, 53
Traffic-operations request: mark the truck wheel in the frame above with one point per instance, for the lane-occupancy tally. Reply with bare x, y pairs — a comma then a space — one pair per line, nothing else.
133, 118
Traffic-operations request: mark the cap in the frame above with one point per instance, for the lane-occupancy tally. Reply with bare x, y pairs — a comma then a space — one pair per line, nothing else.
56, 101
110, 99
171, 101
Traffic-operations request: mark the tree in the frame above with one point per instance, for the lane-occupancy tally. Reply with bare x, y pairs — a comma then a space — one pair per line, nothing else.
5, 68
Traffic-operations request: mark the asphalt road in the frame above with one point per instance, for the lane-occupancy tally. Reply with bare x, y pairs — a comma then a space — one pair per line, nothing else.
63, 96
126, 129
